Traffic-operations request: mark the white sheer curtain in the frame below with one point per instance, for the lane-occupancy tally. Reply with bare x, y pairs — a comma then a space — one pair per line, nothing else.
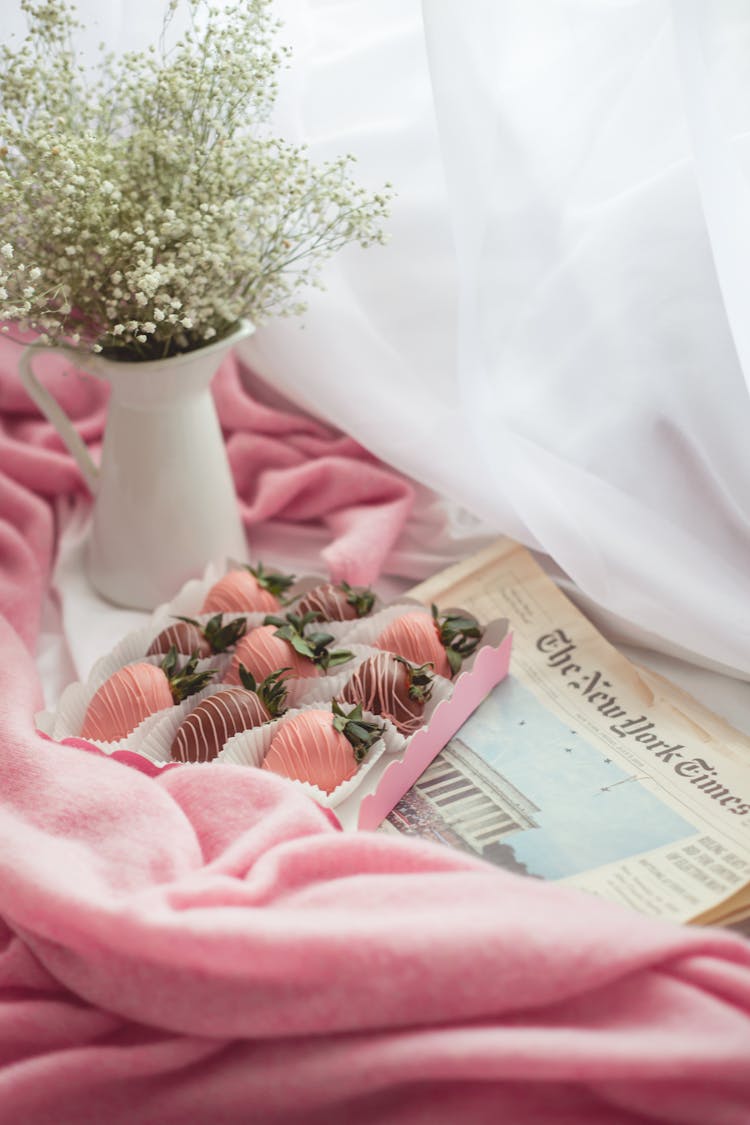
557, 336
578, 375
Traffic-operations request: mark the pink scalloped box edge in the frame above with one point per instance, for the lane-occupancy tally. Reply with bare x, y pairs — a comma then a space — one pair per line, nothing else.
489, 666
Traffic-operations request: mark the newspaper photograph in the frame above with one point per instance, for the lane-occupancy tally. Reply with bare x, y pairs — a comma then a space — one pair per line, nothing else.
581, 767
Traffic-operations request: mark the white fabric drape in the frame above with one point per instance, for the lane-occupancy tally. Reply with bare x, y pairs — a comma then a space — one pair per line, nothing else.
557, 336
590, 378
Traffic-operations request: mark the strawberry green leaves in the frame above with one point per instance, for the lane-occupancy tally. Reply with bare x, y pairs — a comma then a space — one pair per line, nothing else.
271, 691
271, 580
314, 645
356, 729
459, 633
220, 637
184, 681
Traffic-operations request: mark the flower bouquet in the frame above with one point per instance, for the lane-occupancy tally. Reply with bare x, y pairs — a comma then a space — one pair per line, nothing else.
146, 207
149, 218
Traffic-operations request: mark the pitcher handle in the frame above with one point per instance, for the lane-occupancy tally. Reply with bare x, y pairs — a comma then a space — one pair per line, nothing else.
55, 414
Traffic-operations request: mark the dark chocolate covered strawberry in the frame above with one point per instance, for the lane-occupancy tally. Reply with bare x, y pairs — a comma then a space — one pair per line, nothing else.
137, 691
390, 686
336, 602
189, 636
206, 730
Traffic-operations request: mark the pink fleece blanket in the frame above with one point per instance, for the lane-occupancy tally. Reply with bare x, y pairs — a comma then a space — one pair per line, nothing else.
208, 948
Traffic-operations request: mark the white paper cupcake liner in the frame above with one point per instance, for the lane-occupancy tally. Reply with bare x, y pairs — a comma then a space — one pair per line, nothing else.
250, 748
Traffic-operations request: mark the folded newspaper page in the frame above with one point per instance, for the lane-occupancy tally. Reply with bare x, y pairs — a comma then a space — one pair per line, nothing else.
582, 767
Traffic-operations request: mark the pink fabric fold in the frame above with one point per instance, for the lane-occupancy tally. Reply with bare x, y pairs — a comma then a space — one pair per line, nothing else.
208, 948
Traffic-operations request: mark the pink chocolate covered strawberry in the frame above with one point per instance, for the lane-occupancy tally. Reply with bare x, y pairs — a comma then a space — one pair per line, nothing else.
289, 644
441, 639
207, 729
340, 602
322, 747
390, 686
189, 636
137, 691
251, 589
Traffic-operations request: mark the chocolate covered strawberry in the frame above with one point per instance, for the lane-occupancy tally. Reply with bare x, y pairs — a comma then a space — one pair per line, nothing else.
289, 643
322, 747
137, 691
331, 602
251, 589
189, 636
390, 686
441, 639
206, 730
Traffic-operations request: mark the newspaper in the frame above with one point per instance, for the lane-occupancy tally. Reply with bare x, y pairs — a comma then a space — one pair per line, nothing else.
583, 768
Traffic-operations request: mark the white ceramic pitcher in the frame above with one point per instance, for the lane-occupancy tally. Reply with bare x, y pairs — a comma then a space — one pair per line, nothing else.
165, 504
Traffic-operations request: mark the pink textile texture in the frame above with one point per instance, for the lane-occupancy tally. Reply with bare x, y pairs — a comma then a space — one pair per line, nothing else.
206, 947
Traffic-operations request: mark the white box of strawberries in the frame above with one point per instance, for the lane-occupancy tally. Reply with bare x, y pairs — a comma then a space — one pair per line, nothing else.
321, 683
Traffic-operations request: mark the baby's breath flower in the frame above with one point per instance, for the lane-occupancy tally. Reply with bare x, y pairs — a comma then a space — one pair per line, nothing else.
156, 232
